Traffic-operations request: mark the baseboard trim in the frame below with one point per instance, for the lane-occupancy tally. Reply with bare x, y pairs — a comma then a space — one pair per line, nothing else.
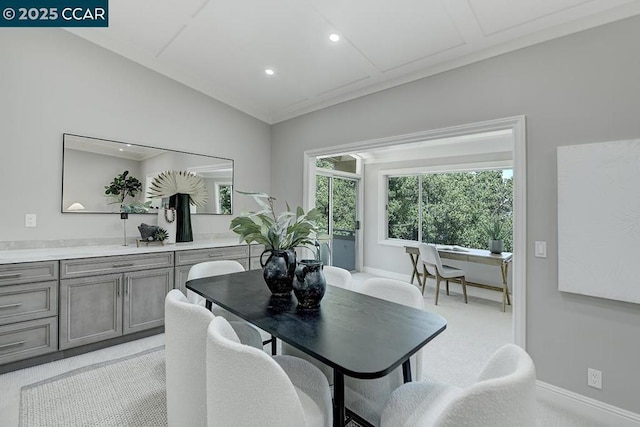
388, 274
585, 406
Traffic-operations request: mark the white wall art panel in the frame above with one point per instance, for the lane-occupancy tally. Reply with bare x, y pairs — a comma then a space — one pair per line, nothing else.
599, 219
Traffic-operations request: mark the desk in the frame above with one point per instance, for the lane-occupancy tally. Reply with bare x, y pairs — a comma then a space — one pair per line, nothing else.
357, 335
479, 256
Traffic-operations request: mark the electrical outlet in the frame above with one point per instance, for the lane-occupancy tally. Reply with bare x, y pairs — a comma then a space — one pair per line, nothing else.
30, 220
594, 378
540, 249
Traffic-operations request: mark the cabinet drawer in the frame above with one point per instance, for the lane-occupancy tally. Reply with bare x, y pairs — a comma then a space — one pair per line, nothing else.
27, 302
28, 339
114, 264
13, 274
201, 255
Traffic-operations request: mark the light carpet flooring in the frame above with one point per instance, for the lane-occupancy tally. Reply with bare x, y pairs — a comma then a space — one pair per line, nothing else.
474, 331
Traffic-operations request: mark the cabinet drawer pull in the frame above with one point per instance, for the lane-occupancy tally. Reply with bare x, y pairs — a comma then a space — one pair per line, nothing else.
13, 344
18, 304
126, 292
123, 265
10, 276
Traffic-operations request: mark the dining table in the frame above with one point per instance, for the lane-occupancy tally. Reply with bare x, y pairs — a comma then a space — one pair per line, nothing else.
357, 335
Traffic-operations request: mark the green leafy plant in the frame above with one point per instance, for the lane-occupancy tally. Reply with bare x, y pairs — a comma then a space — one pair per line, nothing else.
493, 228
161, 234
123, 185
282, 231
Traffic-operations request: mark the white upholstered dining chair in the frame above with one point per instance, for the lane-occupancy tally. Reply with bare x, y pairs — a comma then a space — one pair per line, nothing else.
208, 269
185, 357
368, 397
335, 276
247, 387
432, 266
504, 395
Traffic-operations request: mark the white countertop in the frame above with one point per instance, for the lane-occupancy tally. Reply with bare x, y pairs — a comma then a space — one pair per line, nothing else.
12, 256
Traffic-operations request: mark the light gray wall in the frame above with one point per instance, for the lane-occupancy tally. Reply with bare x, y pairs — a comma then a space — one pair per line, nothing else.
52, 82
578, 89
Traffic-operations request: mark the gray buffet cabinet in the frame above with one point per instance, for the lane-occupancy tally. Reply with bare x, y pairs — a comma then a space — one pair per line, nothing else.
71, 305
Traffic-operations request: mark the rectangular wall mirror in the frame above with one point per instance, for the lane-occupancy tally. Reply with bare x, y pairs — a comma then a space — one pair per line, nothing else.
90, 164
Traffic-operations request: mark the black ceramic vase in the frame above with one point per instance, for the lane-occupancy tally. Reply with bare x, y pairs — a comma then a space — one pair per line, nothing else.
309, 283
180, 202
278, 271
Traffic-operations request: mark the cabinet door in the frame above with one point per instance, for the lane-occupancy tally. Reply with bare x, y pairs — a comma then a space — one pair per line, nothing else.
181, 275
144, 294
90, 309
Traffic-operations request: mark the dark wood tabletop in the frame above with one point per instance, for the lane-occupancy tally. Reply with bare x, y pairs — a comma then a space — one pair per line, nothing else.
358, 335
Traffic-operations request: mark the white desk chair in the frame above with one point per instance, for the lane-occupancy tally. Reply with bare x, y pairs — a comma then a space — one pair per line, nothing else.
367, 398
335, 276
247, 387
432, 266
503, 396
185, 354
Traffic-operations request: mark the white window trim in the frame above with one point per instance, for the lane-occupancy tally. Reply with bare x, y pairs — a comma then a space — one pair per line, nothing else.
383, 175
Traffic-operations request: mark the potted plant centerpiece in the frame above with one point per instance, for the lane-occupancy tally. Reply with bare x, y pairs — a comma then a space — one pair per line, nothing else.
123, 186
494, 230
280, 234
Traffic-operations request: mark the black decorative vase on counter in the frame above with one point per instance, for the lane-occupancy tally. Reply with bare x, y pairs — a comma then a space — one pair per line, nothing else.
278, 271
309, 284
180, 202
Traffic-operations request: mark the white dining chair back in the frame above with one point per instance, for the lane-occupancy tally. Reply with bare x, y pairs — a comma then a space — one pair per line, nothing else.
185, 358
504, 395
337, 276
185, 352
247, 387
208, 269
368, 397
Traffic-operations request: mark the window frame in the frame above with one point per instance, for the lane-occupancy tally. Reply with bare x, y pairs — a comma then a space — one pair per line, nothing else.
383, 182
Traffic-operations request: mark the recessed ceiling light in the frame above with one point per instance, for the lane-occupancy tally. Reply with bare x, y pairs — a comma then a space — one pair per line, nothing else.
269, 72
121, 149
128, 145
334, 37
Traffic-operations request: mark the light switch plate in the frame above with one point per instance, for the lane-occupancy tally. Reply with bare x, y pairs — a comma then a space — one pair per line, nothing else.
30, 220
541, 249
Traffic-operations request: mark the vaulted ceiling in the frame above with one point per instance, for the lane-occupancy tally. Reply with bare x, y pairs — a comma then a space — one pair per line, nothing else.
222, 48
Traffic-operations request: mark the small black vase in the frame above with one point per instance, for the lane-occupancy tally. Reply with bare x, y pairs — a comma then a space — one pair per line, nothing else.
309, 284
278, 271
180, 202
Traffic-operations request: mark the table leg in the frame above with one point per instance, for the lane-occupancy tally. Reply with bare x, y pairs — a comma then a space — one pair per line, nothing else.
406, 371
274, 347
338, 399
414, 264
504, 268
208, 304
415, 273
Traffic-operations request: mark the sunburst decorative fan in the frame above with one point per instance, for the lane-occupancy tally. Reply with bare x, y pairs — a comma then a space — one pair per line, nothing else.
168, 183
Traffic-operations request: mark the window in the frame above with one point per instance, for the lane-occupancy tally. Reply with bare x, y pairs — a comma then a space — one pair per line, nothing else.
450, 208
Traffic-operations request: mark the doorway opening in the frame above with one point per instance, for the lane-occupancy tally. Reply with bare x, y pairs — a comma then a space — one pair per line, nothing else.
440, 141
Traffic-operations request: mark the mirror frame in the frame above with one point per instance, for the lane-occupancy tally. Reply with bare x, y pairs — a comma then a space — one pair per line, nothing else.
153, 211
